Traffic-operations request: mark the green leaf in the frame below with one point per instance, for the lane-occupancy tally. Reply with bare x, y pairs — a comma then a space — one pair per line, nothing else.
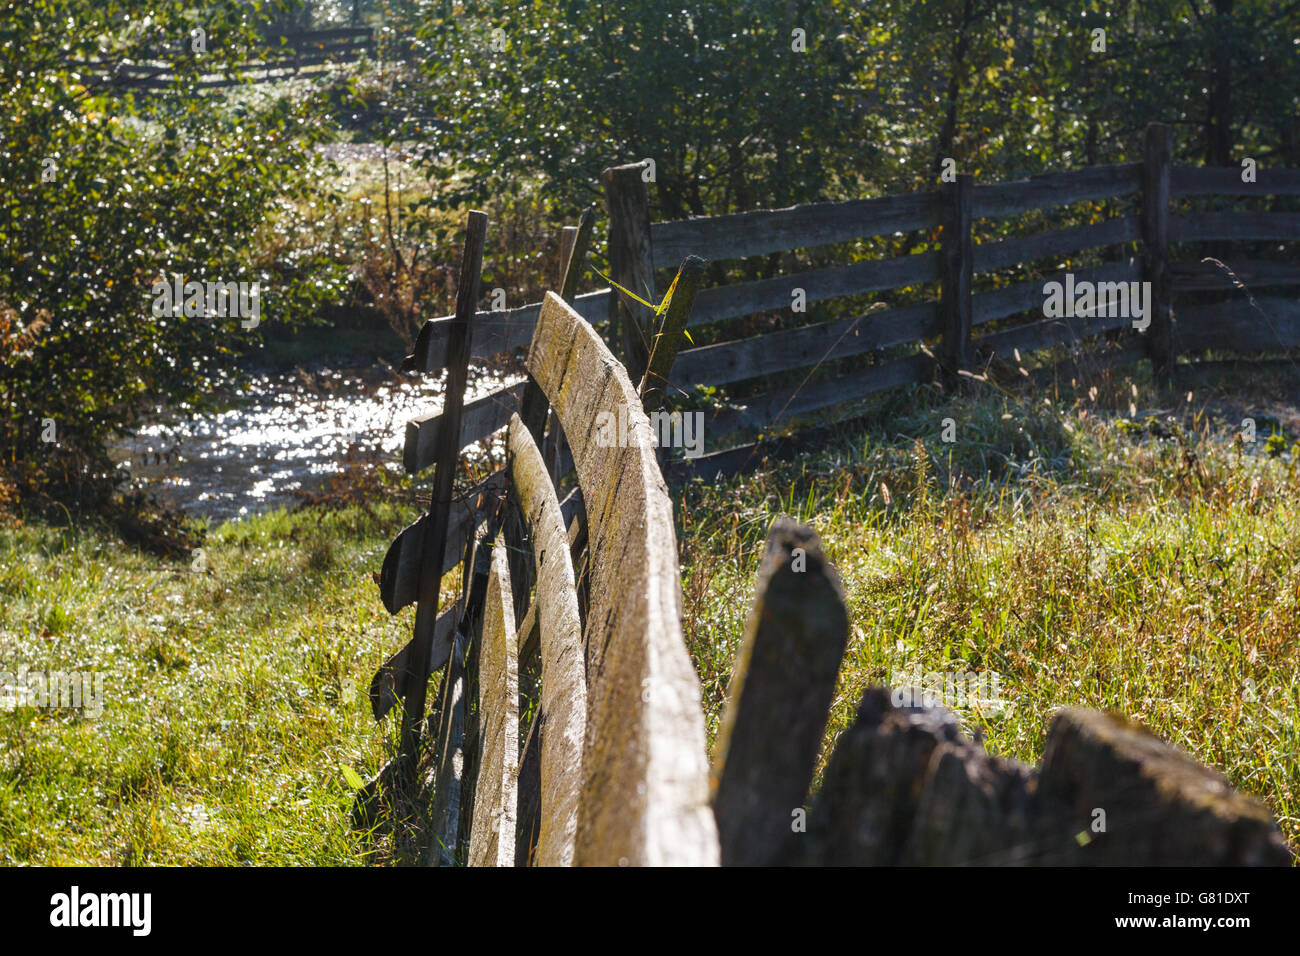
353, 778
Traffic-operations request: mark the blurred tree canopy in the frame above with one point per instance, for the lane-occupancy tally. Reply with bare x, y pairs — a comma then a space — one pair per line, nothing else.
739, 110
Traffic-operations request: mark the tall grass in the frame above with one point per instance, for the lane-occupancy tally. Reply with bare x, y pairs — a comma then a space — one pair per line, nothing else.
1089, 552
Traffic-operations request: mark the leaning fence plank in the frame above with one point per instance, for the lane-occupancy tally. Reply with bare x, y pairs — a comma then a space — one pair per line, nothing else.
781, 690
564, 681
492, 839
645, 793
445, 460
666, 342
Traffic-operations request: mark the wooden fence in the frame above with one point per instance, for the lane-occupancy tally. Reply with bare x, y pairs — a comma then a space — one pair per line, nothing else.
568, 726
904, 786
955, 322
295, 53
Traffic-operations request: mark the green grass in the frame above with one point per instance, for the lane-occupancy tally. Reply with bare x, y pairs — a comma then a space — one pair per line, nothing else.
234, 696
1061, 542
1063, 546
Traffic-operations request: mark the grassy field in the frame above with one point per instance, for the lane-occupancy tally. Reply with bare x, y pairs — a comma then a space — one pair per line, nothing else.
1117, 549
234, 696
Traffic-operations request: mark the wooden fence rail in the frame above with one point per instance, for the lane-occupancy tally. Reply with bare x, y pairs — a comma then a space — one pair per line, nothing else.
568, 727
954, 319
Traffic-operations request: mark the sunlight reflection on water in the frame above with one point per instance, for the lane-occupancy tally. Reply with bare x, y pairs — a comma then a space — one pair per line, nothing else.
286, 433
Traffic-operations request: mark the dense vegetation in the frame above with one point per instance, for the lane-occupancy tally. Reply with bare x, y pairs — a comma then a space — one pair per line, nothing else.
519, 108
239, 726
235, 730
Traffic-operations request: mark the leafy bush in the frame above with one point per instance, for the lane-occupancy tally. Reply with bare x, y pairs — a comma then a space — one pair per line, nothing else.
107, 192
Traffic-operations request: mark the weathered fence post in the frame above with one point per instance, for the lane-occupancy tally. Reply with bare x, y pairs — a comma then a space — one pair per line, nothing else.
1132, 799
778, 701
631, 262
448, 450
496, 788
958, 267
1155, 248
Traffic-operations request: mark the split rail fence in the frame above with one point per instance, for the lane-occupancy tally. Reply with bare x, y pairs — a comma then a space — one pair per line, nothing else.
1184, 320
298, 51
568, 727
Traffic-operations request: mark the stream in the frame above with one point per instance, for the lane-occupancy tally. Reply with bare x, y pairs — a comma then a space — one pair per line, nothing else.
285, 433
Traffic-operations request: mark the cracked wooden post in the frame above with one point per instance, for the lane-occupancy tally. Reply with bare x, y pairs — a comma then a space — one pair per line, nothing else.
1117, 795
779, 698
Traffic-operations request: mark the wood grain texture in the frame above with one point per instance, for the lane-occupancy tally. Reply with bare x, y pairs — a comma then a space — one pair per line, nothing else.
492, 840
479, 419
645, 793
798, 227
781, 690
995, 200
564, 679
1163, 808
448, 771
806, 345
